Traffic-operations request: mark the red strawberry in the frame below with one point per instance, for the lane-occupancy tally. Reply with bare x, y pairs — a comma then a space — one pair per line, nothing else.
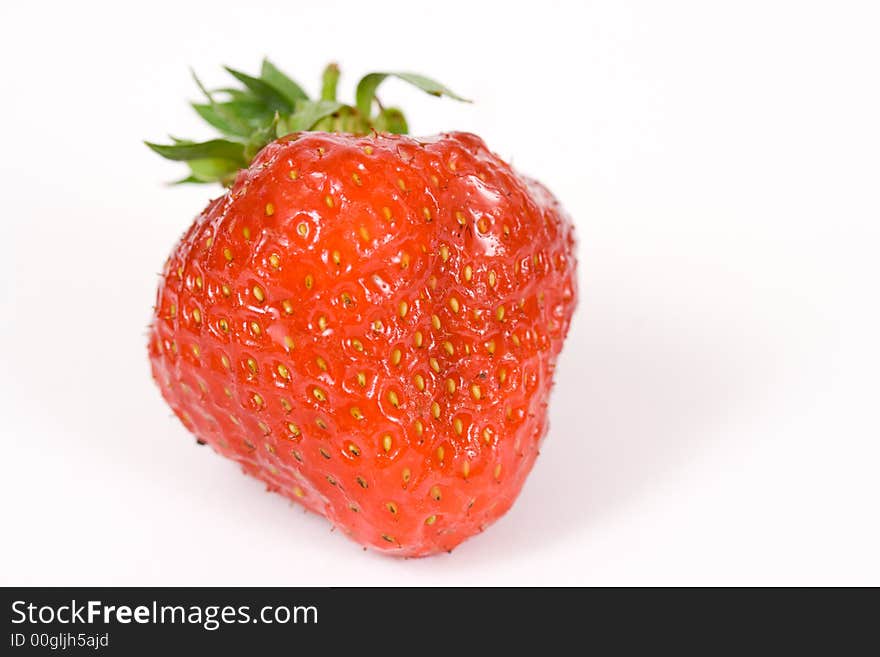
366, 321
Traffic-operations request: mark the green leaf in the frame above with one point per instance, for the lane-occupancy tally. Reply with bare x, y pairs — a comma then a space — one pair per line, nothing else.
366, 88
308, 113
264, 91
238, 94
391, 120
249, 111
186, 181
288, 88
273, 105
227, 122
214, 149
212, 169
260, 137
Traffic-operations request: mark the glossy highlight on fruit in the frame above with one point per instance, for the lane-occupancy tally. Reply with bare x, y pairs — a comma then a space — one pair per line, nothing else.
369, 323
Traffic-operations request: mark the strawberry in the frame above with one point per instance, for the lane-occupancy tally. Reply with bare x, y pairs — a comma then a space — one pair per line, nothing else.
365, 321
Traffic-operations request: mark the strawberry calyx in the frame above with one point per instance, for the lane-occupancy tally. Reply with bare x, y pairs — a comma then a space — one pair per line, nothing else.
273, 105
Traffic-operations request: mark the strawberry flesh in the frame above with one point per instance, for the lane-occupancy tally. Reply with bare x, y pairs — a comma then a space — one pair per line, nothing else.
370, 326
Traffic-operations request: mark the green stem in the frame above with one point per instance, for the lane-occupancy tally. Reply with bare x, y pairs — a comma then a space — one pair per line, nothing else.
329, 82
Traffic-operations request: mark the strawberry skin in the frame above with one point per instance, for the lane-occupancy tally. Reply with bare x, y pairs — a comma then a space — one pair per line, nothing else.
369, 324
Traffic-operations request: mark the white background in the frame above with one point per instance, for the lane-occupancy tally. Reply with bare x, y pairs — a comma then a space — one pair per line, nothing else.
715, 419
